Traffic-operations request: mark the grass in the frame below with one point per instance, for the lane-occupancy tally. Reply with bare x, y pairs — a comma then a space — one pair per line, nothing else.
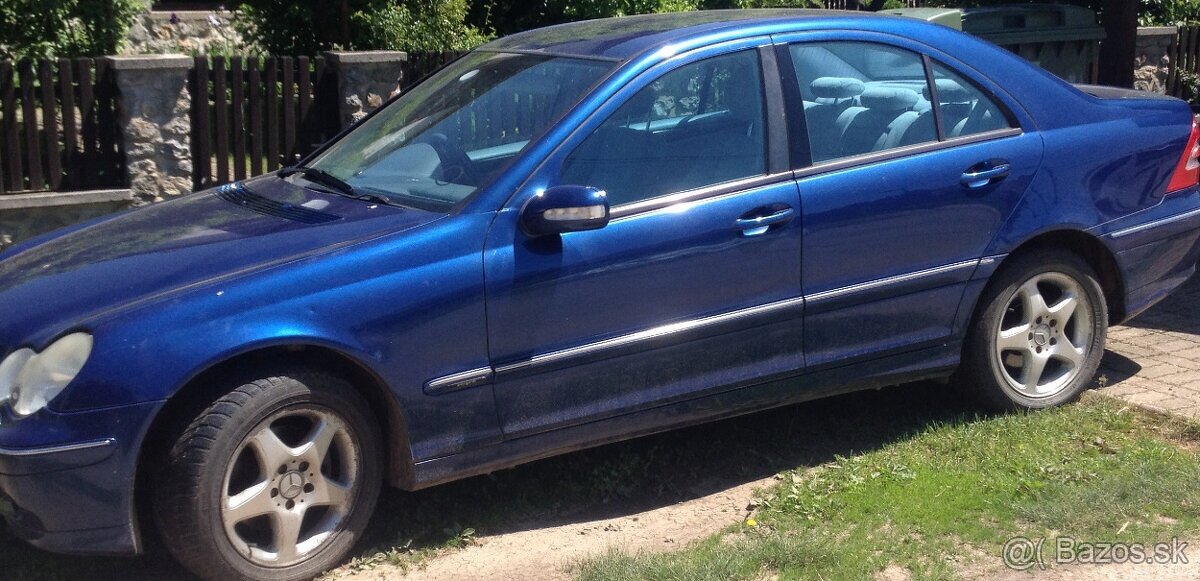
949, 496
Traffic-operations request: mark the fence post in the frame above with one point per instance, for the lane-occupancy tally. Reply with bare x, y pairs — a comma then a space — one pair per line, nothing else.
364, 80
154, 107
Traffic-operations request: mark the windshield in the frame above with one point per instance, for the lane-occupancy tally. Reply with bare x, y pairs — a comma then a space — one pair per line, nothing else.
455, 132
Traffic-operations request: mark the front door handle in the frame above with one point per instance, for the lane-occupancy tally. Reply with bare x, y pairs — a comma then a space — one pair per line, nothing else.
986, 173
760, 224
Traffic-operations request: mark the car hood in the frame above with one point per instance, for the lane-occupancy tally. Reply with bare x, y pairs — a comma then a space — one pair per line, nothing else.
61, 281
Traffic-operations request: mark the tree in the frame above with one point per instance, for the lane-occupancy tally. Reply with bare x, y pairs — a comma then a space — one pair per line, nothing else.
309, 26
64, 28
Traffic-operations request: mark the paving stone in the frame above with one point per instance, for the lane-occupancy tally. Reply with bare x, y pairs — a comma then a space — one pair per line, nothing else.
1154, 360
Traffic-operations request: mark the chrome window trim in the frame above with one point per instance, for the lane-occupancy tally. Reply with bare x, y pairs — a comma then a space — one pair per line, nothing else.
25, 452
898, 152
897, 279
712, 191
460, 380
1154, 224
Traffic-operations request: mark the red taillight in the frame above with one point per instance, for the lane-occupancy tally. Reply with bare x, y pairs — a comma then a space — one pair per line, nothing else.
1187, 173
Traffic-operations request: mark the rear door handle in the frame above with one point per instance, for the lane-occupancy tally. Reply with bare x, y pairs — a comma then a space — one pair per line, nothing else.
760, 224
986, 173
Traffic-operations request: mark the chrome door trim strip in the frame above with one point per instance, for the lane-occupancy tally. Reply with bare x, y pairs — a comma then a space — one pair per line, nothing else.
456, 381
648, 334
897, 279
483, 375
712, 191
1154, 224
56, 449
906, 151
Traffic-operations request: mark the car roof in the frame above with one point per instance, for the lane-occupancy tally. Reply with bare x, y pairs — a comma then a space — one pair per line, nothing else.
622, 38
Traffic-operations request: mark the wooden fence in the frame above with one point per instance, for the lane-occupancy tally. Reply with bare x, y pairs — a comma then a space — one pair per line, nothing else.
58, 127
252, 115
1184, 63
863, 4
422, 64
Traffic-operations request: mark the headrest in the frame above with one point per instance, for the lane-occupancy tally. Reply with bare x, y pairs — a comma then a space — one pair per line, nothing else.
949, 91
836, 87
888, 98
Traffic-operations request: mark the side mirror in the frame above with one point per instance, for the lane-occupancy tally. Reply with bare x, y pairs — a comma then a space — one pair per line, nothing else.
565, 209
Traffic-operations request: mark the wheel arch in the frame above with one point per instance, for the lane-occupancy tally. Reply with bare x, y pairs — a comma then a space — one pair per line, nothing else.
212, 382
1092, 250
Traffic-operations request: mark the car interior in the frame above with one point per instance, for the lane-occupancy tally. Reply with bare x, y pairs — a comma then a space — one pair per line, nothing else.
877, 98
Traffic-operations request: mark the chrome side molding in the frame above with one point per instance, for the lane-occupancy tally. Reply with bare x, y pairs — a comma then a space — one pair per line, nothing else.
458, 381
483, 375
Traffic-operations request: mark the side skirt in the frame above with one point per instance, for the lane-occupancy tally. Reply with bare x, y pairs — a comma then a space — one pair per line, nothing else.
930, 363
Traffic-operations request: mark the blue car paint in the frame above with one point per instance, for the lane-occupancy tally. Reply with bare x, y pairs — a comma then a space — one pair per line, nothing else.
409, 296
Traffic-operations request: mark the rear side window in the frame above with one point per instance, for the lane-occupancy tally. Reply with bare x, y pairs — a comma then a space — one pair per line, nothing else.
966, 110
698, 125
862, 97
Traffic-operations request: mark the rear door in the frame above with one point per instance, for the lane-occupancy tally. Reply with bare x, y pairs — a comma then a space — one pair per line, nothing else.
910, 167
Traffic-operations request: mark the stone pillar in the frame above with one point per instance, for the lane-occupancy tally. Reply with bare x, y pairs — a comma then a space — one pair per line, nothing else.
1153, 61
154, 109
364, 80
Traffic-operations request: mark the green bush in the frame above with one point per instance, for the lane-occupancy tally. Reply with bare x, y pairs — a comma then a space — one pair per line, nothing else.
310, 26
64, 28
1167, 12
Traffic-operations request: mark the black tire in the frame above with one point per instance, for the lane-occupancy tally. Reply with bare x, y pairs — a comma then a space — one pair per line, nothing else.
190, 490
984, 372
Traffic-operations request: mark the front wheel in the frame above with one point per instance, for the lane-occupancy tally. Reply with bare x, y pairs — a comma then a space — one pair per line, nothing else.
274, 481
1038, 340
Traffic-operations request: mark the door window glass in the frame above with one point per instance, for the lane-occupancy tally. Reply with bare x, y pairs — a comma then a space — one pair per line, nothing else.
966, 110
862, 97
698, 125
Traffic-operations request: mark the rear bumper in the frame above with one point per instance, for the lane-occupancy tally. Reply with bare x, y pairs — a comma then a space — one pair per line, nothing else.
1158, 250
75, 495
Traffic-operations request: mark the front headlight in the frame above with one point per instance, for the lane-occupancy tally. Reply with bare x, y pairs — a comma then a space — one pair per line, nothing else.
29, 380
10, 369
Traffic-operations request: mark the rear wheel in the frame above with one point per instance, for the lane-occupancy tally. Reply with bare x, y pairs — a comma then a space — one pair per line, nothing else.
276, 480
1040, 336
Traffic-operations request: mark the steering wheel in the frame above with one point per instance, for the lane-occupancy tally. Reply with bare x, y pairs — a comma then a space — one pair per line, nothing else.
456, 166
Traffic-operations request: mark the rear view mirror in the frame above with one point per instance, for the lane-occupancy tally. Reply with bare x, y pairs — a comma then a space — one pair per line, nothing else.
565, 209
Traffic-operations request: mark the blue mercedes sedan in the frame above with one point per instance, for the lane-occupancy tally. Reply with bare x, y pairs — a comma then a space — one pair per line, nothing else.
694, 216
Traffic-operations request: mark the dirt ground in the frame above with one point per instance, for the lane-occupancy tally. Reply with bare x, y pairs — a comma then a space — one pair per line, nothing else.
540, 554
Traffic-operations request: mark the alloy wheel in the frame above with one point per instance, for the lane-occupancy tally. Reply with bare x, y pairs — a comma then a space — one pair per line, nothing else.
290, 486
1044, 335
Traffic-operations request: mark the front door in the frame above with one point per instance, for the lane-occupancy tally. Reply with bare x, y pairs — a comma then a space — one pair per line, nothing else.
694, 284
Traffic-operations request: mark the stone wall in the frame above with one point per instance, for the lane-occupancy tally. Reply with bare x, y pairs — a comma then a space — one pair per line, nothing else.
365, 80
154, 109
186, 32
1153, 60
24, 216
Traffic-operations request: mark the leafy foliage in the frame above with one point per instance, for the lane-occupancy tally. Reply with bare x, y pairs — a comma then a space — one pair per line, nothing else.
1165, 12
64, 28
310, 26
510, 17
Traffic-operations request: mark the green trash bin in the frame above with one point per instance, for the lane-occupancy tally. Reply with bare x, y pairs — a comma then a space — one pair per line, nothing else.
1064, 40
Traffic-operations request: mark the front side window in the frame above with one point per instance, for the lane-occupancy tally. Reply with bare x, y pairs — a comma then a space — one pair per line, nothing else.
862, 97
699, 125
455, 132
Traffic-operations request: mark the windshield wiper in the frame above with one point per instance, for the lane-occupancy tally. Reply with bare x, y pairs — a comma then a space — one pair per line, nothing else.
320, 176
